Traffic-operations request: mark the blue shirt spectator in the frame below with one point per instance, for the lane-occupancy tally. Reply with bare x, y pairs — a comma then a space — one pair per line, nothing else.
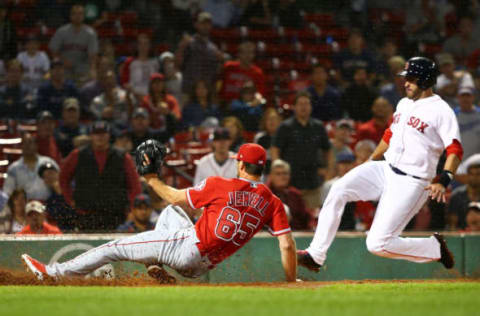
52, 94
325, 99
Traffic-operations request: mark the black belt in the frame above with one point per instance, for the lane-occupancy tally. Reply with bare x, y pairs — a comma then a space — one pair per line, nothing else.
400, 172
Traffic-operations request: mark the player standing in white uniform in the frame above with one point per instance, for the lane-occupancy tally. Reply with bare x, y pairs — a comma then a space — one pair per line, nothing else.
423, 126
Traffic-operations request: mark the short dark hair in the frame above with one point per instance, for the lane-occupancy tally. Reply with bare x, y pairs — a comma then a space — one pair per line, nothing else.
318, 65
254, 170
301, 94
473, 166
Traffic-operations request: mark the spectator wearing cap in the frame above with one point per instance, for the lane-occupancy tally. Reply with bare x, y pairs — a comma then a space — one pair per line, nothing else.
200, 106
15, 100
141, 213
57, 208
173, 77
468, 117
52, 93
358, 97
77, 45
326, 99
279, 182
36, 223
373, 129
23, 173
47, 146
106, 182
159, 103
249, 107
303, 142
219, 162
462, 196
450, 80
115, 105
35, 63
473, 217
123, 141
344, 163
140, 129
342, 139
198, 57
236, 73
139, 69
69, 127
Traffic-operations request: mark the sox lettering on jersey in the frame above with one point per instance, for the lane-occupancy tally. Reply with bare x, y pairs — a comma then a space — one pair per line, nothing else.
415, 122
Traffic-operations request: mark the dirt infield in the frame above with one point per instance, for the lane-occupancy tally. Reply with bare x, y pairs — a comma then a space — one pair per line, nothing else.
142, 280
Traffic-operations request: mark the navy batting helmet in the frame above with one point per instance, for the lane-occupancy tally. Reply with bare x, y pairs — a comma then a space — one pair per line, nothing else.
422, 68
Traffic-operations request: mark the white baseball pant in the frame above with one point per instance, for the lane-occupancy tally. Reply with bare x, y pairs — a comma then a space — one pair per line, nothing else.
172, 242
400, 198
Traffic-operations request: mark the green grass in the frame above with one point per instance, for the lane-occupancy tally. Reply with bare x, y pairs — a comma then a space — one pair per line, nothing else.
406, 299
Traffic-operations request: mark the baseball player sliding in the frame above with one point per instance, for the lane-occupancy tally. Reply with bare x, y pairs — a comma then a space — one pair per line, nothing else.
234, 210
423, 126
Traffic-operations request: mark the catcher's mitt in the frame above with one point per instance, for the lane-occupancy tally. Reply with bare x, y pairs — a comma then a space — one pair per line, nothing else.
149, 157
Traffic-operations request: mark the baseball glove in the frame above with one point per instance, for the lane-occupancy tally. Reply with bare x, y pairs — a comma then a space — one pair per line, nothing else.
149, 157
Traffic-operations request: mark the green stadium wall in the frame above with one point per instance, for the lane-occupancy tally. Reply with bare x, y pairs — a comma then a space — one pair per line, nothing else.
259, 260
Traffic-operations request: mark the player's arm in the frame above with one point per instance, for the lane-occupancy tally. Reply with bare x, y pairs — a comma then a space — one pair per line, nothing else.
379, 151
166, 192
437, 190
288, 252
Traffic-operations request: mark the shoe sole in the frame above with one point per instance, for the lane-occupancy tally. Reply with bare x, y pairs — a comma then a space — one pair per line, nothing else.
31, 268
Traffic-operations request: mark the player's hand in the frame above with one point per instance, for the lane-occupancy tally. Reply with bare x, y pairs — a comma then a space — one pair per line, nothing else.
149, 157
437, 192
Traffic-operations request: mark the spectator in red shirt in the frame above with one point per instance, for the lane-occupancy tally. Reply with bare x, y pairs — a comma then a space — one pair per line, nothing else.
279, 182
106, 182
159, 103
47, 146
373, 129
236, 73
36, 223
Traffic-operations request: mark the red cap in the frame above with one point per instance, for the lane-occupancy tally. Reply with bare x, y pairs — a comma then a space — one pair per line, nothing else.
156, 75
252, 153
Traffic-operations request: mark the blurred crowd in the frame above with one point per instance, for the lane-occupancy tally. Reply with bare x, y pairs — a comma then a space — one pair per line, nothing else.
82, 84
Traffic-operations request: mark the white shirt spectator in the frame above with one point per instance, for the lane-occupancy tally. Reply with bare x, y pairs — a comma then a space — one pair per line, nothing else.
34, 68
207, 167
19, 175
140, 72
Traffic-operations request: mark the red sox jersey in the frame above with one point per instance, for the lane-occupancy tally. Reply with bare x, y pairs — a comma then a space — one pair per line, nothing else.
234, 211
419, 133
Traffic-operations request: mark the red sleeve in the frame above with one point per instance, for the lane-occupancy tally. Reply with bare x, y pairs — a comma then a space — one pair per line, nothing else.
455, 148
201, 194
279, 223
387, 135
134, 187
67, 172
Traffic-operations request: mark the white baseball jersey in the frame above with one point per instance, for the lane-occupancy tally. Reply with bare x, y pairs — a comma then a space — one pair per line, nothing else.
208, 167
421, 130
35, 67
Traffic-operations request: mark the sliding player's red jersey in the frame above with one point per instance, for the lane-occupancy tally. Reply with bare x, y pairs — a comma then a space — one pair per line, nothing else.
234, 211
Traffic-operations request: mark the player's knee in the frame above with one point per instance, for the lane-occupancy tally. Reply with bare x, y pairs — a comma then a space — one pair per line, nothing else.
375, 245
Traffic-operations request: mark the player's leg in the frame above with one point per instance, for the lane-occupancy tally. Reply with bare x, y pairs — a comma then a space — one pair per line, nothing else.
402, 199
364, 182
164, 247
174, 218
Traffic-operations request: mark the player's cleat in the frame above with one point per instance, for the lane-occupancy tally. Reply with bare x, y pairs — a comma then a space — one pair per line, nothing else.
158, 273
446, 258
35, 266
304, 259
